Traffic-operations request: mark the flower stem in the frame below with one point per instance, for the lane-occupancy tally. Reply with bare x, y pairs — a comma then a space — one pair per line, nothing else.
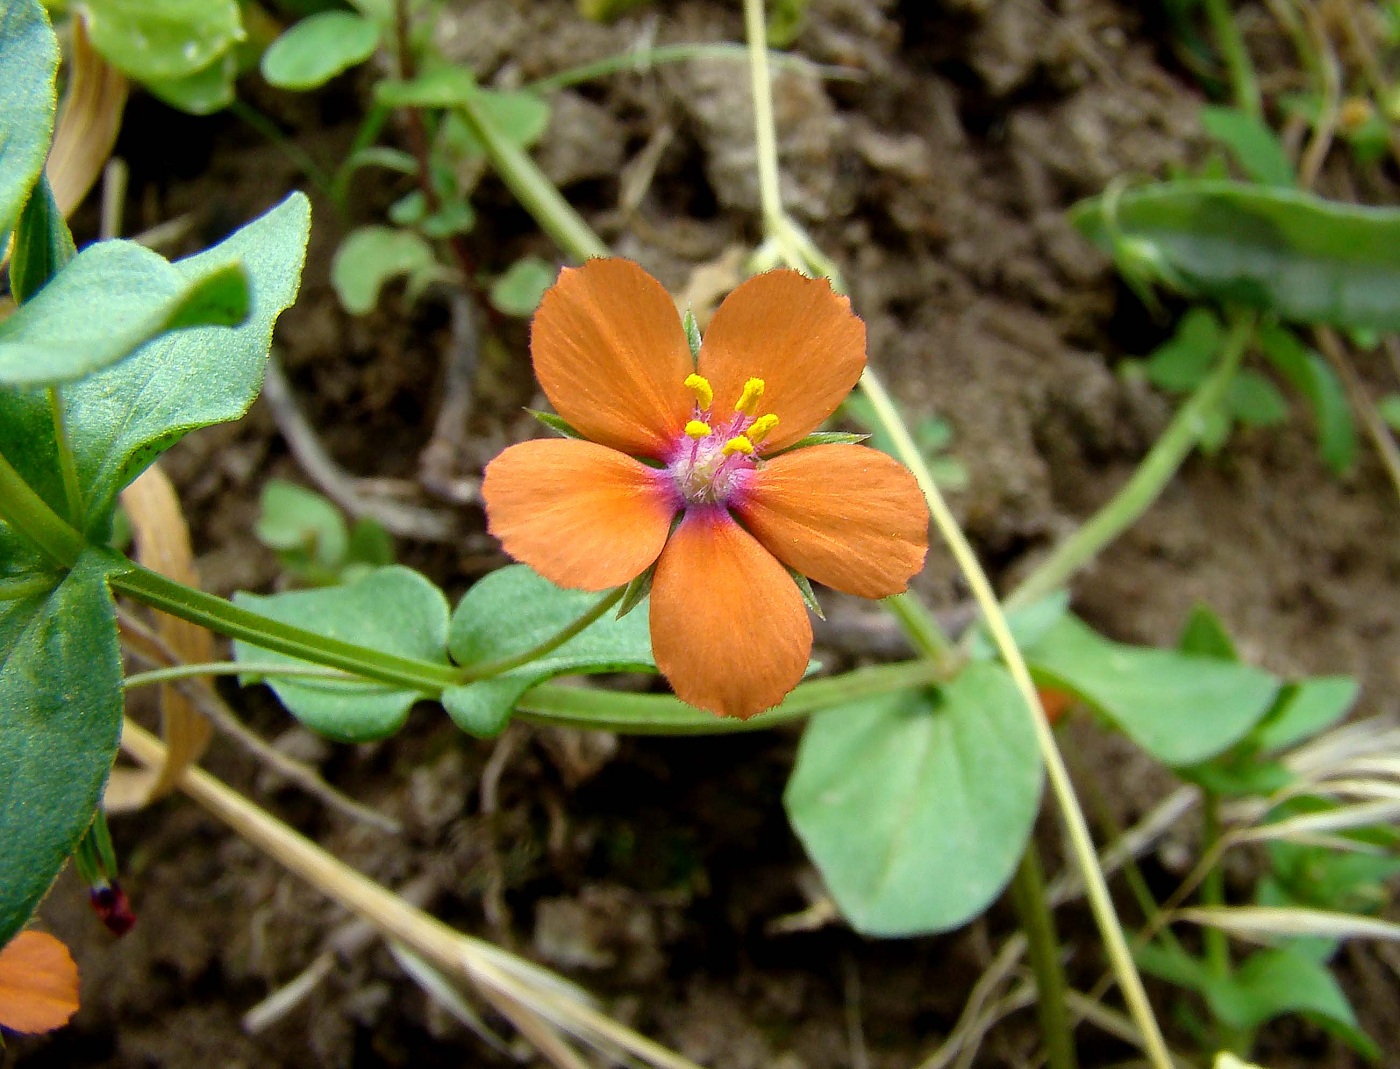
494, 668
31, 515
232, 620
177, 672
66, 464
924, 632
1043, 946
1147, 482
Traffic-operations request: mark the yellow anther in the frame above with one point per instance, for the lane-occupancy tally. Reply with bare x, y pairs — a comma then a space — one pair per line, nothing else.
704, 392
697, 429
738, 444
762, 428
749, 399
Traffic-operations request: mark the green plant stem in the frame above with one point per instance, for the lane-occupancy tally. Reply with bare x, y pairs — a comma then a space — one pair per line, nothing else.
1217, 943
177, 672
924, 632
66, 464
1147, 482
31, 515
1243, 81
222, 616
662, 714
1043, 948
308, 166
549, 645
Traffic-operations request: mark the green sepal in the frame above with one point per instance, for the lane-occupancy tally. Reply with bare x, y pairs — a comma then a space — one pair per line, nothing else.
636, 593
804, 586
558, 424
692, 333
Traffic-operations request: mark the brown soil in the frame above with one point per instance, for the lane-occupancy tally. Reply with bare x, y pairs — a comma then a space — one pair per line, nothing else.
651, 870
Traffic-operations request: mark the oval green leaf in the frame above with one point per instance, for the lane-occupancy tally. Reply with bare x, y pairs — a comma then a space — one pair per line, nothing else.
1303, 258
317, 48
392, 609
164, 39
373, 255
1181, 708
916, 807
28, 63
60, 720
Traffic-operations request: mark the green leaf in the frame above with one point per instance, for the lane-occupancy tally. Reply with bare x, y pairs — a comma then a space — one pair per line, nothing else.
110, 300
316, 49
1271, 983
1303, 258
519, 290
60, 719
203, 92
510, 612
558, 424
121, 419
28, 63
520, 115
373, 255
825, 438
1255, 401
1205, 635
393, 609
917, 806
303, 526
1181, 708
1255, 147
1310, 375
1182, 363
158, 40
1305, 709
43, 244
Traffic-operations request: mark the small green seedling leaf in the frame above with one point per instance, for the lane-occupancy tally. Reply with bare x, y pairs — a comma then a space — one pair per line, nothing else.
28, 64
303, 527
916, 806
1255, 401
1305, 709
165, 40
1310, 375
393, 609
519, 115
373, 255
60, 719
313, 51
390, 159
128, 296
204, 92
692, 333
519, 290
1182, 363
1180, 708
1205, 636
43, 244
1254, 145
510, 612
1298, 256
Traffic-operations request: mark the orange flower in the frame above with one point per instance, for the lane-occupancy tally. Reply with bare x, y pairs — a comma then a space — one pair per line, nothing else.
670, 437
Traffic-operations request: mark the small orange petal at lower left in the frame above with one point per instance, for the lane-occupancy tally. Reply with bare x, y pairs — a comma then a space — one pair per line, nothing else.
38, 983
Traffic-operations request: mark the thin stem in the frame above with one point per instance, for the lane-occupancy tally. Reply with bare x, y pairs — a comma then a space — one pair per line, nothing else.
1217, 944
1028, 896
303, 160
661, 714
549, 645
236, 622
30, 514
924, 632
1243, 81
764, 131
66, 464
232, 668
639, 60
1147, 482
1081, 843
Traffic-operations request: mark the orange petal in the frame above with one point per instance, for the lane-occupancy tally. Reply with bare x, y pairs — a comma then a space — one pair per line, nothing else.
611, 355
582, 515
38, 983
845, 515
728, 626
798, 336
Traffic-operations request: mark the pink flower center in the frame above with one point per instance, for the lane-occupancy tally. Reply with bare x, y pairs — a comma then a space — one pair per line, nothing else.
711, 459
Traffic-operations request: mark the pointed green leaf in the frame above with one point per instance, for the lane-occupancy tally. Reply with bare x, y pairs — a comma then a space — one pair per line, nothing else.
392, 609
28, 63
43, 244
513, 610
60, 719
1254, 145
1182, 363
1179, 707
1305, 709
519, 290
1311, 376
1205, 636
313, 51
1305, 259
917, 806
